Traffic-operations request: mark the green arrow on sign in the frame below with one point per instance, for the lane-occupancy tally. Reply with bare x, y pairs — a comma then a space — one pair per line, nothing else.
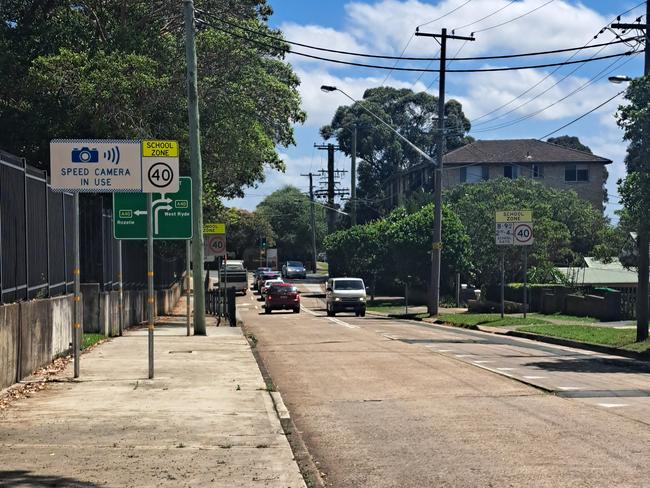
172, 214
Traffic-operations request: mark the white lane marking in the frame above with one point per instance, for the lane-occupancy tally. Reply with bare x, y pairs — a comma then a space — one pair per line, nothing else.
251, 297
612, 405
569, 388
391, 337
482, 361
244, 304
463, 355
308, 311
534, 377
344, 324
506, 369
256, 307
444, 350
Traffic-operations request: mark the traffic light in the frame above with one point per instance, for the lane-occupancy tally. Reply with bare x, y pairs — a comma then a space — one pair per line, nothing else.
263, 242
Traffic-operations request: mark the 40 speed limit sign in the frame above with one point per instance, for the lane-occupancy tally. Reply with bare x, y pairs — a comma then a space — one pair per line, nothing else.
215, 245
523, 234
159, 166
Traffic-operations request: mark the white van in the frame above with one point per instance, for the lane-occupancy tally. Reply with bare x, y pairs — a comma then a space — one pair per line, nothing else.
344, 294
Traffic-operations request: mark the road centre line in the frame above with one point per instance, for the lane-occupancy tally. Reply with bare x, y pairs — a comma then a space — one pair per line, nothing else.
302, 307
534, 377
612, 405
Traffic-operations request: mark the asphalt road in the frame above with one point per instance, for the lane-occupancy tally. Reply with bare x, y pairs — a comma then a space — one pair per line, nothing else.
384, 403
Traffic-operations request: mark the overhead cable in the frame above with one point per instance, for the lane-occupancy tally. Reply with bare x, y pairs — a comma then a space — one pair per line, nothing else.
407, 58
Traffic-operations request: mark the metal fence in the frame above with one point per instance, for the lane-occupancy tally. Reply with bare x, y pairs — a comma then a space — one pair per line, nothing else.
37, 237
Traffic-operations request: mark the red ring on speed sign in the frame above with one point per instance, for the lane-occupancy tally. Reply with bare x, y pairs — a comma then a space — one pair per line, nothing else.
217, 244
523, 233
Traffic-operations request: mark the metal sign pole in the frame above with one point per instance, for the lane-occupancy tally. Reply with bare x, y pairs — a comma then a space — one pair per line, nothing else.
503, 279
188, 258
525, 279
76, 328
120, 285
150, 298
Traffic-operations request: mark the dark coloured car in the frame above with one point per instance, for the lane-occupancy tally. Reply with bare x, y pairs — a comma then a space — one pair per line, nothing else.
294, 269
258, 272
265, 275
282, 296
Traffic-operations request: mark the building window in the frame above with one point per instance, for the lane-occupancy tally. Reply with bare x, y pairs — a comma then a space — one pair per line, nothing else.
510, 171
474, 174
537, 171
574, 172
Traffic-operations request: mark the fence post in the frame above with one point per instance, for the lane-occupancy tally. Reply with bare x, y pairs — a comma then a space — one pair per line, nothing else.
26, 231
47, 230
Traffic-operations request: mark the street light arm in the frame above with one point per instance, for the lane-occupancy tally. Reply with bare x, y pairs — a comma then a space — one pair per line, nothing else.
413, 146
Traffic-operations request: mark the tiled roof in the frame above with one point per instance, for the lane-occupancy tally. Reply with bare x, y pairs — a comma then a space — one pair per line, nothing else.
519, 151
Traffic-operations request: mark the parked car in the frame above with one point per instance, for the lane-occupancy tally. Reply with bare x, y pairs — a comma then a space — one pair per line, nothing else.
258, 272
266, 275
342, 294
268, 283
282, 296
294, 269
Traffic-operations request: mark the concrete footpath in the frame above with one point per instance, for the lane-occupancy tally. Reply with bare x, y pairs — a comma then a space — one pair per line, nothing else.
205, 420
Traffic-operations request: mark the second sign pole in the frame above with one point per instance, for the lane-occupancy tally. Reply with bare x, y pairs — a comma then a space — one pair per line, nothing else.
150, 292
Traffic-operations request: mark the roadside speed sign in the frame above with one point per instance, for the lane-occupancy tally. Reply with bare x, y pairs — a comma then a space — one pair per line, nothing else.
215, 245
523, 234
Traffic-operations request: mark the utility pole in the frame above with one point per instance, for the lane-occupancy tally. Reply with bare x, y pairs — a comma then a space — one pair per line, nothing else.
331, 191
436, 251
353, 177
643, 238
197, 169
312, 217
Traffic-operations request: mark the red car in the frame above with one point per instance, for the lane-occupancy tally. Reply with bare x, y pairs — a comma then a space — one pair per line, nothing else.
282, 296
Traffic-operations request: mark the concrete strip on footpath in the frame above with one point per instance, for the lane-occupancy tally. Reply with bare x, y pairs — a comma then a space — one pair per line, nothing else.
206, 419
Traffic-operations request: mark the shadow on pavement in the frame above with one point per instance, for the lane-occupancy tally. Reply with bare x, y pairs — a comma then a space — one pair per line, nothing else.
593, 365
24, 478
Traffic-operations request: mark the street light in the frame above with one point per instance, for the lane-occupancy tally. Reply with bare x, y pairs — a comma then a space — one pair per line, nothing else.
643, 266
618, 79
437, 234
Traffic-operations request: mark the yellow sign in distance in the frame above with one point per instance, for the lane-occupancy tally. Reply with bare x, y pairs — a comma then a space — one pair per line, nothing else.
211, 229
161, 149
514, 216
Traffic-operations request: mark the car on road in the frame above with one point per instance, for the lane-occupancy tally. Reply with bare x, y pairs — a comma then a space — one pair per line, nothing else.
282, 296
266, 275
233, 275
268, 283
345, 294
294, 269
258, 272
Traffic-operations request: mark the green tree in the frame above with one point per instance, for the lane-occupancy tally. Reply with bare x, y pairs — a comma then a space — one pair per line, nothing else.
116, 69
381, 153
395, 249
634, 119
571, 142
288, 212
566, 227
244, 230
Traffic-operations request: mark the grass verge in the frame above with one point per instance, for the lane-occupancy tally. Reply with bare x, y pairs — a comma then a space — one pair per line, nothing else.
472, 320
90, 340
604, 336
564, 318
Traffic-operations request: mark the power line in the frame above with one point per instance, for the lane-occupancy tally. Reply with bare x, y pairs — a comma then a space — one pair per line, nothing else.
415, 70
515, 18
400, 57
537, 112
483, 18
586, 45
445, 15
545, 91
583, 115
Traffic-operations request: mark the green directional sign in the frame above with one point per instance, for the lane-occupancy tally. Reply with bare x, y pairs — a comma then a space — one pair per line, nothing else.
172, 214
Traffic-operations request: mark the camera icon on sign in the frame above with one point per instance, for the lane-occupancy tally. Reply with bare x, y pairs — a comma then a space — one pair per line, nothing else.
85, 155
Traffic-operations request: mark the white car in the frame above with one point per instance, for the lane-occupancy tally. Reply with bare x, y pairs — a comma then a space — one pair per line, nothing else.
345, 294
268, 283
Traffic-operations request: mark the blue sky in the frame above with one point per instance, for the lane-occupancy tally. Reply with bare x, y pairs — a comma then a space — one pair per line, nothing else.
386, 26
